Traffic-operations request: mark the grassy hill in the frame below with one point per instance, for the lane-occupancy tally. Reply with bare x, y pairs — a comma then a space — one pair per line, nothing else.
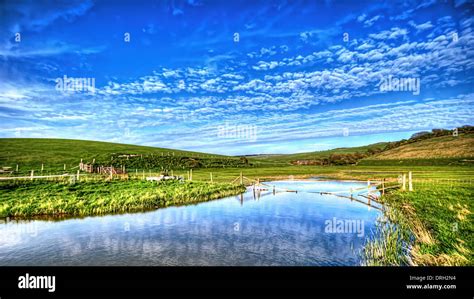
433, 151
30, 153
437, 147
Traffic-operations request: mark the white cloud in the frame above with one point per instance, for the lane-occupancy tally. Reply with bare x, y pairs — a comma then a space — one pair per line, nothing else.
371, 21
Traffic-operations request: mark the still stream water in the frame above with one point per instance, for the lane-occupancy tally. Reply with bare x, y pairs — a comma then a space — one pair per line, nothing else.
281, 229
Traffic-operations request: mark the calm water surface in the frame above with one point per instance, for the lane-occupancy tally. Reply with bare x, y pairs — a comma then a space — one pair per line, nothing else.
281, 229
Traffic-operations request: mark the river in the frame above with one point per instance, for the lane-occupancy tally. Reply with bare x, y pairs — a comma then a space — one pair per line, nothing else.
281, 229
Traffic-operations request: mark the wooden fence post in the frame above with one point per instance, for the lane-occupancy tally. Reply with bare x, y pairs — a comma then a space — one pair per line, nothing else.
143, 175
383, 186
17, 168
32, 173
42, 167
368, 188
78, 171
241, 178
404, 182
191, 174
410, 183
64, 166
211, 178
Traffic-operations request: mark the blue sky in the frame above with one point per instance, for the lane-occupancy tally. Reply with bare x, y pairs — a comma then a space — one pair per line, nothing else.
235, 77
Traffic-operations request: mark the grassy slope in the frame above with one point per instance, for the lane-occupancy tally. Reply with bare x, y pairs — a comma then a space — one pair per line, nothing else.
35, 151
59, 151
435, 219
461, 146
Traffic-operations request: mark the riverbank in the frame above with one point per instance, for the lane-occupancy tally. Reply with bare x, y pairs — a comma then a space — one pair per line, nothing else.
41, 198
432, 226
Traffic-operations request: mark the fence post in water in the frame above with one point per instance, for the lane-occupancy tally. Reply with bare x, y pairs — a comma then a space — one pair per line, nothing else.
273, 189
368, 188
404, 182
410, 184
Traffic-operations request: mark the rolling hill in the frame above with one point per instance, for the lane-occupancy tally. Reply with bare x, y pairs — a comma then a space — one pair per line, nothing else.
442, 150
31, 153
424, 149
461, 146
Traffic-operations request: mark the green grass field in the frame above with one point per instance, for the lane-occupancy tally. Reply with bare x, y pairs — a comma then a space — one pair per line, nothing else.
435, 221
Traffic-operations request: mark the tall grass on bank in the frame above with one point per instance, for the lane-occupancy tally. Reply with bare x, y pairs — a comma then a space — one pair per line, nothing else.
37, 198
435, 220
390, 245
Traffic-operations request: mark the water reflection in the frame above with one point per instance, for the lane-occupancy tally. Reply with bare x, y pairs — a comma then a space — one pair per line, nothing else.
281, 229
